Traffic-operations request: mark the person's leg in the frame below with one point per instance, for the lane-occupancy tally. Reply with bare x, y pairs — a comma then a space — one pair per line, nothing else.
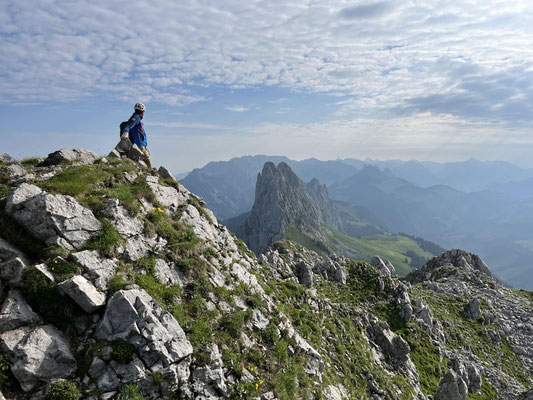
146, 156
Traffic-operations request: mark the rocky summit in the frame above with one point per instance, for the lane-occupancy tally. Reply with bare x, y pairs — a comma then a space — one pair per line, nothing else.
282, 201
117, 283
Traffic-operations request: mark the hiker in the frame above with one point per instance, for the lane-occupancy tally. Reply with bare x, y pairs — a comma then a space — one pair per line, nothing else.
135, 130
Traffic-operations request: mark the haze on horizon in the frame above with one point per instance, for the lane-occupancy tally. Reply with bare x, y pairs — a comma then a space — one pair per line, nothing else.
427, 80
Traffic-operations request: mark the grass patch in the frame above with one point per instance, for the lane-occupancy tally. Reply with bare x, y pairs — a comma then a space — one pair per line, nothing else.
130, 392
123, 351
30, 162
62, 390
63, 270
106, 240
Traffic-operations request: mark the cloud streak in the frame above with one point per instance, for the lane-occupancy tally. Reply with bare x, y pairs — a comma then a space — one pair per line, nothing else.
388, 58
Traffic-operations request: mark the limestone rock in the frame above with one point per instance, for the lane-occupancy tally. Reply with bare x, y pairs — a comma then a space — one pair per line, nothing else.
15, 312
126, 225
282, 201
451, 387
8, 252
394, 346
83, 293
385, 267
135, 316
16, 171
7, 159
38, 355
303, 272
80, 156
167, 196
166, 174
97, 269
52, 218
11, 271
474, 309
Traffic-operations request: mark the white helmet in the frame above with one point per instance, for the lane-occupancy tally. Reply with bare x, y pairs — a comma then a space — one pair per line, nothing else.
139, 107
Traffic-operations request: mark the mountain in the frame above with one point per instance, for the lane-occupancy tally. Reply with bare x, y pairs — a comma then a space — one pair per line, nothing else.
228, 187
117, 283
286, 207
467, 176
282, 201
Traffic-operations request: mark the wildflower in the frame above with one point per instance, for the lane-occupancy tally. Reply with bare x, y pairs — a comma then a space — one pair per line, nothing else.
261, 381
55, 261
256, 386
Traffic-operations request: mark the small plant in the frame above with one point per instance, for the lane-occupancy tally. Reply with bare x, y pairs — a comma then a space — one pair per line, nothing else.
106, 239
62, 390
123, 351
63, 270
118, 282
30, 161
130, 392
4, 370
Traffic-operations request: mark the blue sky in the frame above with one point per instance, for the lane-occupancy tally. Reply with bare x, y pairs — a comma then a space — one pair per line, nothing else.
428, 80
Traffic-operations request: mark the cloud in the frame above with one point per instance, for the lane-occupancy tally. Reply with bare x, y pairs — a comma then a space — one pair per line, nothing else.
389, 58
367, 11
239, 109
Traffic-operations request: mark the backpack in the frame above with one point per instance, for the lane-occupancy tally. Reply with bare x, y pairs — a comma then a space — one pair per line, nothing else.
122, 125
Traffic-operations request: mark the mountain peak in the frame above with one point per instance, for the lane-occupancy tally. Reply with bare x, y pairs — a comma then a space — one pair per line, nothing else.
282, 200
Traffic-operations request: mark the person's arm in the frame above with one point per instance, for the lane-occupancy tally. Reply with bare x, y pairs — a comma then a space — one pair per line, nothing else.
134, 120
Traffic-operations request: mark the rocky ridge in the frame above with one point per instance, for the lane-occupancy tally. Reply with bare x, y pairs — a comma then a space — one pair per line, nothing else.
128, 286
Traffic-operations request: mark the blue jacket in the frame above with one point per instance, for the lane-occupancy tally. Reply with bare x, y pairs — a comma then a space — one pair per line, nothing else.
136, 131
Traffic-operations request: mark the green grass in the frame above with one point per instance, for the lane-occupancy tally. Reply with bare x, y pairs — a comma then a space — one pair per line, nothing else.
308, 242
62, 390
106, 239
94, 185
63, 270
388, 247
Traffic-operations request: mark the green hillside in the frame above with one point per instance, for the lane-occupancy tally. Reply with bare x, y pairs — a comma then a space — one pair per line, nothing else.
394, 248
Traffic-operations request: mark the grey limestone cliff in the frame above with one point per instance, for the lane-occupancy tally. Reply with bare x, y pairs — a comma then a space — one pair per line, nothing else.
282, 201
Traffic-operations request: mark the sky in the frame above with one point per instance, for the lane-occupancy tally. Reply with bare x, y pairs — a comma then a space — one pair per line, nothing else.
438, 80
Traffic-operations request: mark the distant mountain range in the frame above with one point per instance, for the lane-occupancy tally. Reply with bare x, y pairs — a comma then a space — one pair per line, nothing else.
485, 207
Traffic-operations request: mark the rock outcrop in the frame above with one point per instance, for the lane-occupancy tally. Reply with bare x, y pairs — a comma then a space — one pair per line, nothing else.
282, 201
55, 219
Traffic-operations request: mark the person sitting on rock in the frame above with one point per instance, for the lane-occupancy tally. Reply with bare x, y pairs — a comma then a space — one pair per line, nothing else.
135, 130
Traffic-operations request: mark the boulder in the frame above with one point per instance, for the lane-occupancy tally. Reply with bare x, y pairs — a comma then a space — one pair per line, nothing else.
80, 156
7, 159
53, 218
393, 346
209, 381
125, 225
385, 267
134, 316
101, 271
303, 272
16, 171
451, 387
474, 309
83, 293
11, 271
38, 355
15, 312
332, 270
168, 197
7, 252
165, 174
